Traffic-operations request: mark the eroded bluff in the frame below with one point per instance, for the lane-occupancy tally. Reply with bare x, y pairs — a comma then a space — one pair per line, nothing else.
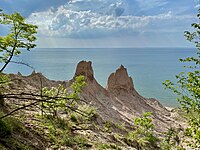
118, 102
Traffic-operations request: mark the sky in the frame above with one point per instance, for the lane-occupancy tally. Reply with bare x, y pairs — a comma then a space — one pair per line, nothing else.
107, 23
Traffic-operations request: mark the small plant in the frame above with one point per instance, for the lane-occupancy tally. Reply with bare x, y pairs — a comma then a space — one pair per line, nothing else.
120, 126
5, 128
76, 86
142, 137
68, 140
108, 126
60, 99
171, 140
117, 136
105, 146
114, 146
4, 79
8, 125
73, 117
90, 112
57, 101
81, 141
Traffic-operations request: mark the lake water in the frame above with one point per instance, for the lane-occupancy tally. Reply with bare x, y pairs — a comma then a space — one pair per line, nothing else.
148, 67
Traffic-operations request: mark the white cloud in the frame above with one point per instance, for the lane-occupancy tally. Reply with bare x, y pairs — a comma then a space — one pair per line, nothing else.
92, 18
104, 7
197, 6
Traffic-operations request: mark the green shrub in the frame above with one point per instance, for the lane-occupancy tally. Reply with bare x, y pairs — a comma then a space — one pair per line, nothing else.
5, 128
8, 125
187, 87
108, 126
80, 141
73, 117
142, 137
103, 146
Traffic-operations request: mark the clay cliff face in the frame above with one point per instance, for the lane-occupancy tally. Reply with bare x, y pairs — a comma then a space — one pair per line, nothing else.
120, 81
85, 68
119, 101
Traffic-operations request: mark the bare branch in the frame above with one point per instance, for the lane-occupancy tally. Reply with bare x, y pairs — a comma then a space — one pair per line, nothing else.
38, 95
23, 63
36, 100
20, 108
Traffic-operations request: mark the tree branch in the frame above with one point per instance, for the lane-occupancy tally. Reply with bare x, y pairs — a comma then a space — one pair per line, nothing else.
22, 63
37, 100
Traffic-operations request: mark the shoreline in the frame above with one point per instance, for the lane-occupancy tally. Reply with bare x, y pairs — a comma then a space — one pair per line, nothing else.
169, 108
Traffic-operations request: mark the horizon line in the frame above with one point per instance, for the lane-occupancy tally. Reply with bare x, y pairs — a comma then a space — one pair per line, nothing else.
109, 47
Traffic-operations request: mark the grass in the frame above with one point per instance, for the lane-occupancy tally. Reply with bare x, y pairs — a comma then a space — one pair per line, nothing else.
105, 146
10, 126
5, 128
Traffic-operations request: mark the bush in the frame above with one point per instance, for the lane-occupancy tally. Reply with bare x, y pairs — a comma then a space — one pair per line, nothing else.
142, 137
5, 128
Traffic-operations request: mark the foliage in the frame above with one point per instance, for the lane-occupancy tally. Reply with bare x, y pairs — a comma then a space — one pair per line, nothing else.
76, 86
89, 111
8, 125
108, 126
171, 140
142, 137
105, 146
54, 104
77, 115
120, 126
21, 36
4, 79
60, 133
5, 128
61, 99
187, 87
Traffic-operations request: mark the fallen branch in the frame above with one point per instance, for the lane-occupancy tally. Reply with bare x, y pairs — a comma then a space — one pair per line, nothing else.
39, 100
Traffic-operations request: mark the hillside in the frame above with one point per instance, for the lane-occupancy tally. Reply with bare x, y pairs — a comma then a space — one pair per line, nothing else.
116, 105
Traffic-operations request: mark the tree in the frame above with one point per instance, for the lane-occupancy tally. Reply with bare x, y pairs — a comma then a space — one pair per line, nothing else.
66, 100
21, 36
187, 87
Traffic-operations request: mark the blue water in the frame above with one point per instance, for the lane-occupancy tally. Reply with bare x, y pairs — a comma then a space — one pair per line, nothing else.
148, 67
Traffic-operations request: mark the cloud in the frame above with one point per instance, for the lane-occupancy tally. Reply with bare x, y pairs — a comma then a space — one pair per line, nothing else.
96, 18
197, 6
104, 7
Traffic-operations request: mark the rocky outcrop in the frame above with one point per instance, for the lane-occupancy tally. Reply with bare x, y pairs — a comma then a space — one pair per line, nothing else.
85, 68
33, 83
120, 81
118, 102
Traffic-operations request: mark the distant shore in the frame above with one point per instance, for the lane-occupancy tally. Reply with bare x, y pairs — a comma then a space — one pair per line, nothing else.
169, 108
